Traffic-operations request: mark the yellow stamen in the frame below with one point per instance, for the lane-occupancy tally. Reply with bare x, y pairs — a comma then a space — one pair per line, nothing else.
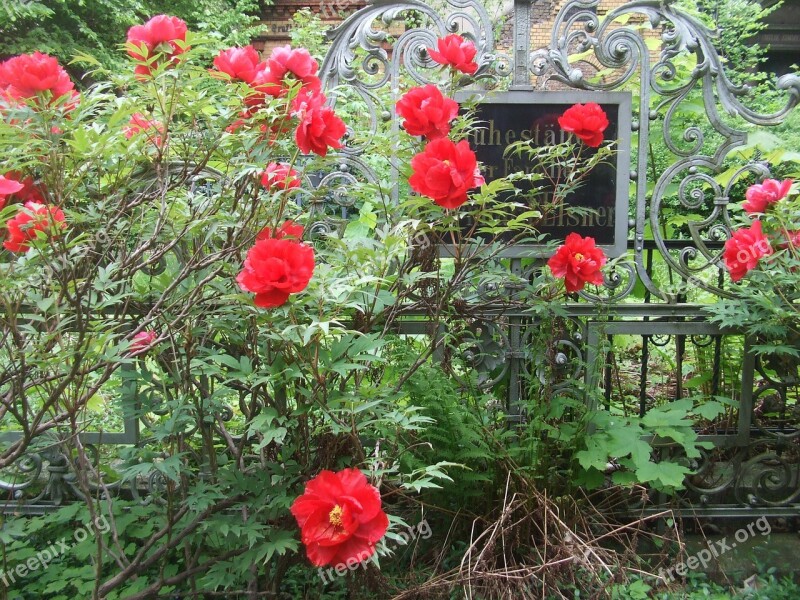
335, 516
578, 256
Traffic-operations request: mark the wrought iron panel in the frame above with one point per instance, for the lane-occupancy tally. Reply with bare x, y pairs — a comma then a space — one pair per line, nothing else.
608, 54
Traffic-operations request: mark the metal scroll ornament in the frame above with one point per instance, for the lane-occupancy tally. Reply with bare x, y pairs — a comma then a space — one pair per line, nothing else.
617, 46
589, 53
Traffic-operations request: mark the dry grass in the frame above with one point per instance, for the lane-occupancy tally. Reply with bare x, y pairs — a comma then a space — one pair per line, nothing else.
538, 547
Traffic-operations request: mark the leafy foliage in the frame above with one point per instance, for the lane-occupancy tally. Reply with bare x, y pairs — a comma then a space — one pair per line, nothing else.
67, 28
770, 319
240, 406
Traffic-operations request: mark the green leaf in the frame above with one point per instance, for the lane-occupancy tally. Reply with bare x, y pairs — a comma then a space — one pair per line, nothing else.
664, 474
624, 478
697, 381
672, 414
170, 467
623, 437
709, 410
226, 360
278, 543
595, 456
81, 58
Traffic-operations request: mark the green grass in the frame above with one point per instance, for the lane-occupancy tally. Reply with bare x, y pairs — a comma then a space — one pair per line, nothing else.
766, 587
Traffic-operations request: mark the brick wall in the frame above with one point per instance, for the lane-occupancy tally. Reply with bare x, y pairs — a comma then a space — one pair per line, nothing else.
278, 18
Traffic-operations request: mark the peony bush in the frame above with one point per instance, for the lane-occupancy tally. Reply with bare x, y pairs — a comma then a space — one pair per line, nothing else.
762, 256
168, 258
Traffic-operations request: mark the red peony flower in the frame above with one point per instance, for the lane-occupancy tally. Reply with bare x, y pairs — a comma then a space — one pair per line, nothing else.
239, 63
142, 341
587, 121
32, 218
340, 518
275, 268
427, 112
283, 68
139, 123
578, 261
263, 85
743, 250
305, 101
280, 177
319, 127
289, 229
456, 52
286, 65
445, 171
8, 187
761, 195
160, 35
28, 76
30, 192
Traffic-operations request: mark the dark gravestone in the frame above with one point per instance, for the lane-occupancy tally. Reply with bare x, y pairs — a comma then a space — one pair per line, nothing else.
506, 118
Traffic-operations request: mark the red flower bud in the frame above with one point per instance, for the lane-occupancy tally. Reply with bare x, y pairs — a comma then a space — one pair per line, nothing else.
142, 341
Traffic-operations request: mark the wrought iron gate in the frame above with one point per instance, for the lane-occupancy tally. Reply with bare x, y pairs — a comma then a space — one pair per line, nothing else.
642, 47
